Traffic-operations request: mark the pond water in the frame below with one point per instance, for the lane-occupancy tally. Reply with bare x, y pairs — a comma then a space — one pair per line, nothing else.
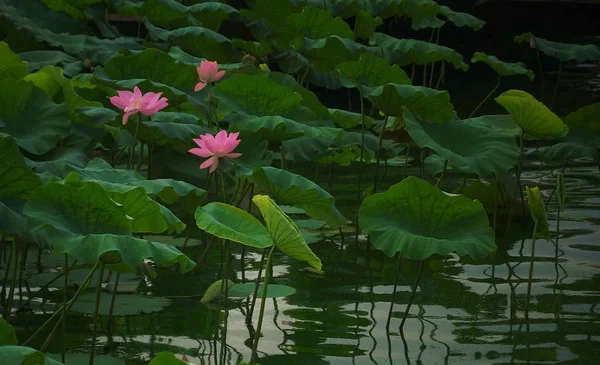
463, 313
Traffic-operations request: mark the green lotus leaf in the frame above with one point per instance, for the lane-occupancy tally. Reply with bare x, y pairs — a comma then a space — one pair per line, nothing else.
273, 290
7, 334
197, 41
370, 71
533, 117
167, 13
147, 216
306, 148
256, 95
125, 304
277, 129
462, 19
284, 232
418, 220
72, 358
341, 8
287, 188
228, 222
75, 8
326, 53
491, 195
583, 140
19, 355
166, 358
429, 104
257, 49
315, 23
563, 51
168, 190
268, 19
503, 68
216, 290
347, 119
311, 109
427, 22
17, 181
12, 67
24, 14
31, 117
538, 211
411, 51
212, 13
83, 221
58, 87
365, 24
155, 65
488, 152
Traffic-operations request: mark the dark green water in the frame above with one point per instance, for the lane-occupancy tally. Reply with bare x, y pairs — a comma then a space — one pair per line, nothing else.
464, 313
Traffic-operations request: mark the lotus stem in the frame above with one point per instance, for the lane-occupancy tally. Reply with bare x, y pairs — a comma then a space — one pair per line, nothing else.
63, 320
531, 269
398, 263
555, 92
406, 160
225, 290
11, 292
518, 182
96, 310
487, 97
64, 309
425, 75
150, 150
22, 267
138, 121
254, 356
38, 263
360, 170
260, 271
112, 307
539, 60
557, 236
209, 108
375, 182
443, 173
442, 75
8, 266
412, 296
437, 41
282, 156
564, 167
412, 72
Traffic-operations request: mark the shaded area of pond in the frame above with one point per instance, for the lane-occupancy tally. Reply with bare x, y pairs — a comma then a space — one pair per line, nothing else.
467, 313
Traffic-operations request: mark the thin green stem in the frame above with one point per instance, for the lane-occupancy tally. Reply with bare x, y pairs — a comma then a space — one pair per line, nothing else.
209, 100
555, 92
375, 181
412, 296
389, 319
63, 320
96, 310
64, 309
531, 261
442, 74
443, 173
15, 268
138, 121
539, 60
362, 148
486, 97
112, 307
518, 182
254, 356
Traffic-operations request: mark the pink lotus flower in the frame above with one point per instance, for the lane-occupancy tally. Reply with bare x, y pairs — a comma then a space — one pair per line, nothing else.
208, 72
133, 102
215, 147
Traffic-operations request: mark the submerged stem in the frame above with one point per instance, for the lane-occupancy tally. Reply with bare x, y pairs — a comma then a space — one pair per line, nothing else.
96, 310
387, 324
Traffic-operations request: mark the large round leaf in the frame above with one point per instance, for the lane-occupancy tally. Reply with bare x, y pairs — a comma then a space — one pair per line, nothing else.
563, 51
411, 51
487, 152
287, 188
125, 304
284, 232
532, 116
83, 221
315, 23
19, 355
430, 104
418, 220
7, 334
12, 68
231, 223
256, 95
503, 68
31, 117
370, 70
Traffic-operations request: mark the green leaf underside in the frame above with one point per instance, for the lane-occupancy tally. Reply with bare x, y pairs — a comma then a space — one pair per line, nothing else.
228, 222
284, 232
503, 68
563, 51
418, 220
